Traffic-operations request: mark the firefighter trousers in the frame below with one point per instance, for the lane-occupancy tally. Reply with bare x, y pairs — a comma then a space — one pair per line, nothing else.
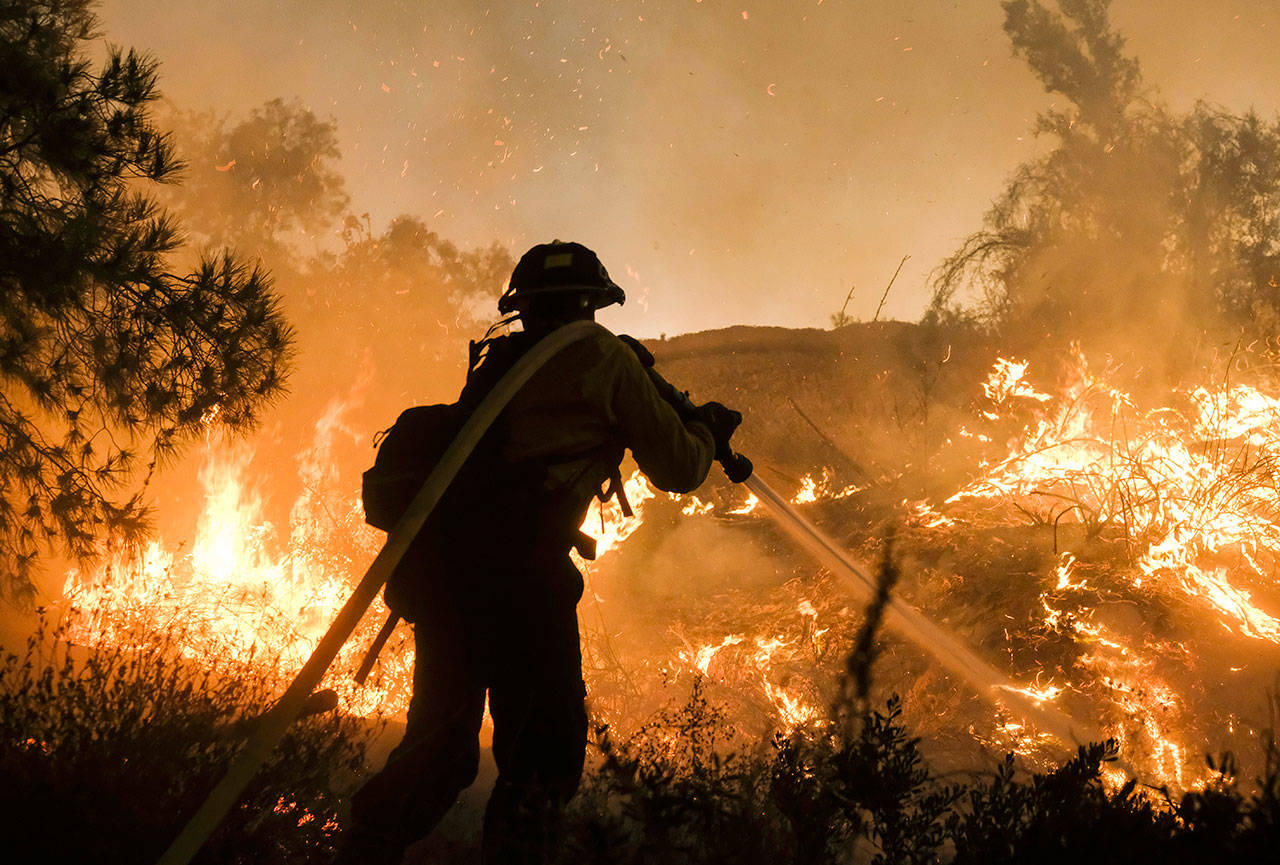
513, 636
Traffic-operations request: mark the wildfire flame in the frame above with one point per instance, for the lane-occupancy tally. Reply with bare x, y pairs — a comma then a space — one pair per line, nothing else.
243, 591
1187, 488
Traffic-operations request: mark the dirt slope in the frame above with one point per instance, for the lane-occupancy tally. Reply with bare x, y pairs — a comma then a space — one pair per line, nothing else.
878, 397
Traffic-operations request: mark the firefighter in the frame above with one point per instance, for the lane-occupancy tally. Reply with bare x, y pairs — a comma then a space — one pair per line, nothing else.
495, 612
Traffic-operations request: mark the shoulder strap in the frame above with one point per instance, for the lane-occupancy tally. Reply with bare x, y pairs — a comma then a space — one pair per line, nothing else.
490, 360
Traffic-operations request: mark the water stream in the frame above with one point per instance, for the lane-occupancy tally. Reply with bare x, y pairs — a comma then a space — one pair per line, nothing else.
909, 622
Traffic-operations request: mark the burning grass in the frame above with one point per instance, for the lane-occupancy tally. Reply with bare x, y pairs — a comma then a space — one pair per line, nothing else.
120, 744
1114, 558
1129, 538
247, 590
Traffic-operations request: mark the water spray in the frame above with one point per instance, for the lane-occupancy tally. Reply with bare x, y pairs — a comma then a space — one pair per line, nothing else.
911, 623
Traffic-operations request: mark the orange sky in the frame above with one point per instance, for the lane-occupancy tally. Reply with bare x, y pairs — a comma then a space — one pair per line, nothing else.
734, 162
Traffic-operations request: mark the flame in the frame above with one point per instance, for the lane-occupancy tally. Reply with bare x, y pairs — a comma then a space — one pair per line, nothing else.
703, 657
1187, 489
767, 663
820, 488
1007, 382
791, 708
695, 506
1091, 458
610, 526
244, 592
1040, 693
808, 491
1065, 568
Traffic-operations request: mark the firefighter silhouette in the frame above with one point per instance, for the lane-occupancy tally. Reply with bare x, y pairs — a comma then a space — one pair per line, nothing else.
491, 589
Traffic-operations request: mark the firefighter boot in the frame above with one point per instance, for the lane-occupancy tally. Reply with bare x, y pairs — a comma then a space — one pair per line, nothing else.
521, 825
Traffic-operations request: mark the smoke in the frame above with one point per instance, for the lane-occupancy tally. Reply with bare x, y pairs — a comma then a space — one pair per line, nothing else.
696, 557
1139, 220
745, 164
776, 156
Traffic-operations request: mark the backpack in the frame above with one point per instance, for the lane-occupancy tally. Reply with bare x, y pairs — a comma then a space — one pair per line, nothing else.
407, 452
411, 448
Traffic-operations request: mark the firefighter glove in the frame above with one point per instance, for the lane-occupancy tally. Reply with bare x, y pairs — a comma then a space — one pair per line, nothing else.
722, 421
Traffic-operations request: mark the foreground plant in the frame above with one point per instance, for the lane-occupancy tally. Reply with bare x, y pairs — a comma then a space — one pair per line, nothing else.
685, 789
107, 750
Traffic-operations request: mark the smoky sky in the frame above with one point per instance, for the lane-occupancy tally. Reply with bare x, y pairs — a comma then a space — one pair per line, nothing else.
733, 163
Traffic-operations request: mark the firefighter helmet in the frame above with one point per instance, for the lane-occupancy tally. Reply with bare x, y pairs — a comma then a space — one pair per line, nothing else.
560, 268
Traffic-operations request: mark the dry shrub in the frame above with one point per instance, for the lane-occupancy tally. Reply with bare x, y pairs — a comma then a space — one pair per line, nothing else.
107, 750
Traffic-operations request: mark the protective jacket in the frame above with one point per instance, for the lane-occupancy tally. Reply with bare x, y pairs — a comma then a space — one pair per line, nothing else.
578, 413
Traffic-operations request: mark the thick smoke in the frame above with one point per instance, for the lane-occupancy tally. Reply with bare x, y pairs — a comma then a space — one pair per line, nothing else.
1143, 232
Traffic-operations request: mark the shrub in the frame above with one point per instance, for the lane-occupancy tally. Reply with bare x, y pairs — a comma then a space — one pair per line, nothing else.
106, 751
683, 790
867, 795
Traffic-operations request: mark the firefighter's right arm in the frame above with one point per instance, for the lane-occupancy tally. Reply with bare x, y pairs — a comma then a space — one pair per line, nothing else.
673, 454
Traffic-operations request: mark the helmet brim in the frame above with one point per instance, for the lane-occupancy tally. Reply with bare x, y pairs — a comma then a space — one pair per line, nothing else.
603, 295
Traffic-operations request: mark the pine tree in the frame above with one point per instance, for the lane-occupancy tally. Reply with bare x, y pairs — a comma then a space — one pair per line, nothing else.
108, 360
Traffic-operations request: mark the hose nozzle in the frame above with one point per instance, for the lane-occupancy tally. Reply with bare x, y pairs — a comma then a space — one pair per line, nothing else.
737, 467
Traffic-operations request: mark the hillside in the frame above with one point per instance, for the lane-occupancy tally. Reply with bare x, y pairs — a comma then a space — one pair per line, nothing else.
870, 400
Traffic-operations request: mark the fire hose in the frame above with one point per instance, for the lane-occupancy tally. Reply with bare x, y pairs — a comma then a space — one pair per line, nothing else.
272, 726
